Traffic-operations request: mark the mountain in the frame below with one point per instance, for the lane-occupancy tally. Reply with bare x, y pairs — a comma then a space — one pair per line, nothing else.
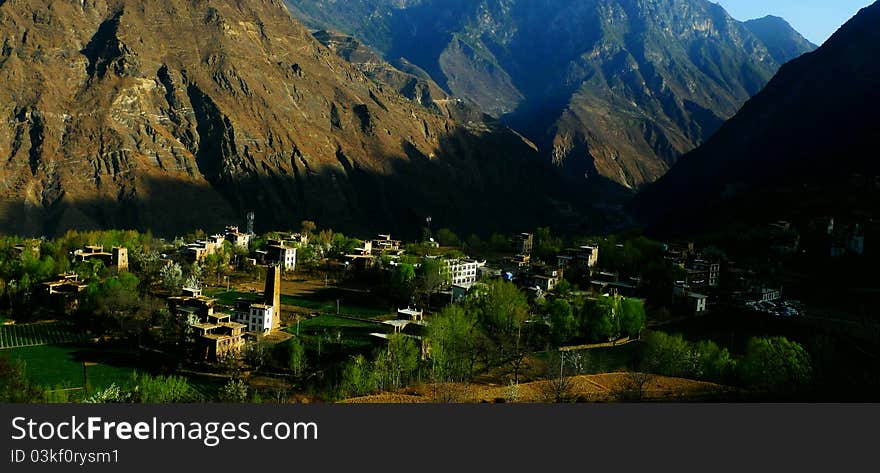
805, 146
783, 42
407, 80
175, 113
618, 89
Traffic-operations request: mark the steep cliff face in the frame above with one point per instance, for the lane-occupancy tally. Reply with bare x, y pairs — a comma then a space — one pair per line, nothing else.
806, 144
621, 88
166, 114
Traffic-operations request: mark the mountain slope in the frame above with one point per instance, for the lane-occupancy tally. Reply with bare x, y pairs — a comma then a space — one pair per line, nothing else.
173, 113
783, 41
797, 147
621, 88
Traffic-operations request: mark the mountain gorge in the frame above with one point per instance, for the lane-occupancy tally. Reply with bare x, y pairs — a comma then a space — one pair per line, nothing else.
614, 88
804, 146
176, 113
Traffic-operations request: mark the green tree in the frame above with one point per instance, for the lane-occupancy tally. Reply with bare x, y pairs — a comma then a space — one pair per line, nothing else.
599, 319
546, 247
504, 311
563, 323
632, 316
430, 277
714, 363
397, 362
776, 365
15, 387
358, 378
453, 337
403, 279
447, 237
234, 392
296, 356
669, 355
147, 389
307, 227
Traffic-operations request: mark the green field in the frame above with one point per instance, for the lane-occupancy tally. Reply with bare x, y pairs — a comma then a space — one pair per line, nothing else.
346, 334
29, 335
334, 322
61, 366
323, 305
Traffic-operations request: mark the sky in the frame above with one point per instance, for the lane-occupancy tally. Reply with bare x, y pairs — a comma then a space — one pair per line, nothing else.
816, 20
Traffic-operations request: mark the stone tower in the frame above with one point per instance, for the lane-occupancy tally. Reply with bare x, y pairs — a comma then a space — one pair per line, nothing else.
272, 293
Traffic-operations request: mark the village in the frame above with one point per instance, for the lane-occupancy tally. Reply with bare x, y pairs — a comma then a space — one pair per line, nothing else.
307, 310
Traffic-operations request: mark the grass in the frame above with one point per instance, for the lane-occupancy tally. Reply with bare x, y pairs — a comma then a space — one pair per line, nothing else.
338, 335
61, 366
606, 359
334, 322
323, 305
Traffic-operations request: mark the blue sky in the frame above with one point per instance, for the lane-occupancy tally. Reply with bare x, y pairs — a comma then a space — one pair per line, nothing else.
815, 19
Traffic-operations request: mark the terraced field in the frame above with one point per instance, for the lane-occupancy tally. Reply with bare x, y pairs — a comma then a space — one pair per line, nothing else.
35, 335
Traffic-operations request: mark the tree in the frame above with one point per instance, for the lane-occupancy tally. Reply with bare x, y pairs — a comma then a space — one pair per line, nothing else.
296, 356
447, 237
430, 276
358, 378
562, 366
162, 390
599, 320
256, 353
776, 365
714, 363
563, 324
15, 387
233, 392
453, 337
504, 311
397, 362
403, 278
307, 227
546, 247
148, 265
669, 355
171, 276
632, 316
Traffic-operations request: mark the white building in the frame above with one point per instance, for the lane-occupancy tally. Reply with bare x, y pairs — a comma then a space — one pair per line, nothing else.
698, 302
259, 318
284, 256
237, 238
463, 272
411, 314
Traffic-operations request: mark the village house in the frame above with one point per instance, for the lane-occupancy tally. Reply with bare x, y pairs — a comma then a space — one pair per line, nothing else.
519, 261
409, 313
31, 247
236, 237
212, 336
692, 302
384, 244
116, 258
278, 253
461, 272
63, 292
523, 243
262, 316
546, 278
361, 258
583, 258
